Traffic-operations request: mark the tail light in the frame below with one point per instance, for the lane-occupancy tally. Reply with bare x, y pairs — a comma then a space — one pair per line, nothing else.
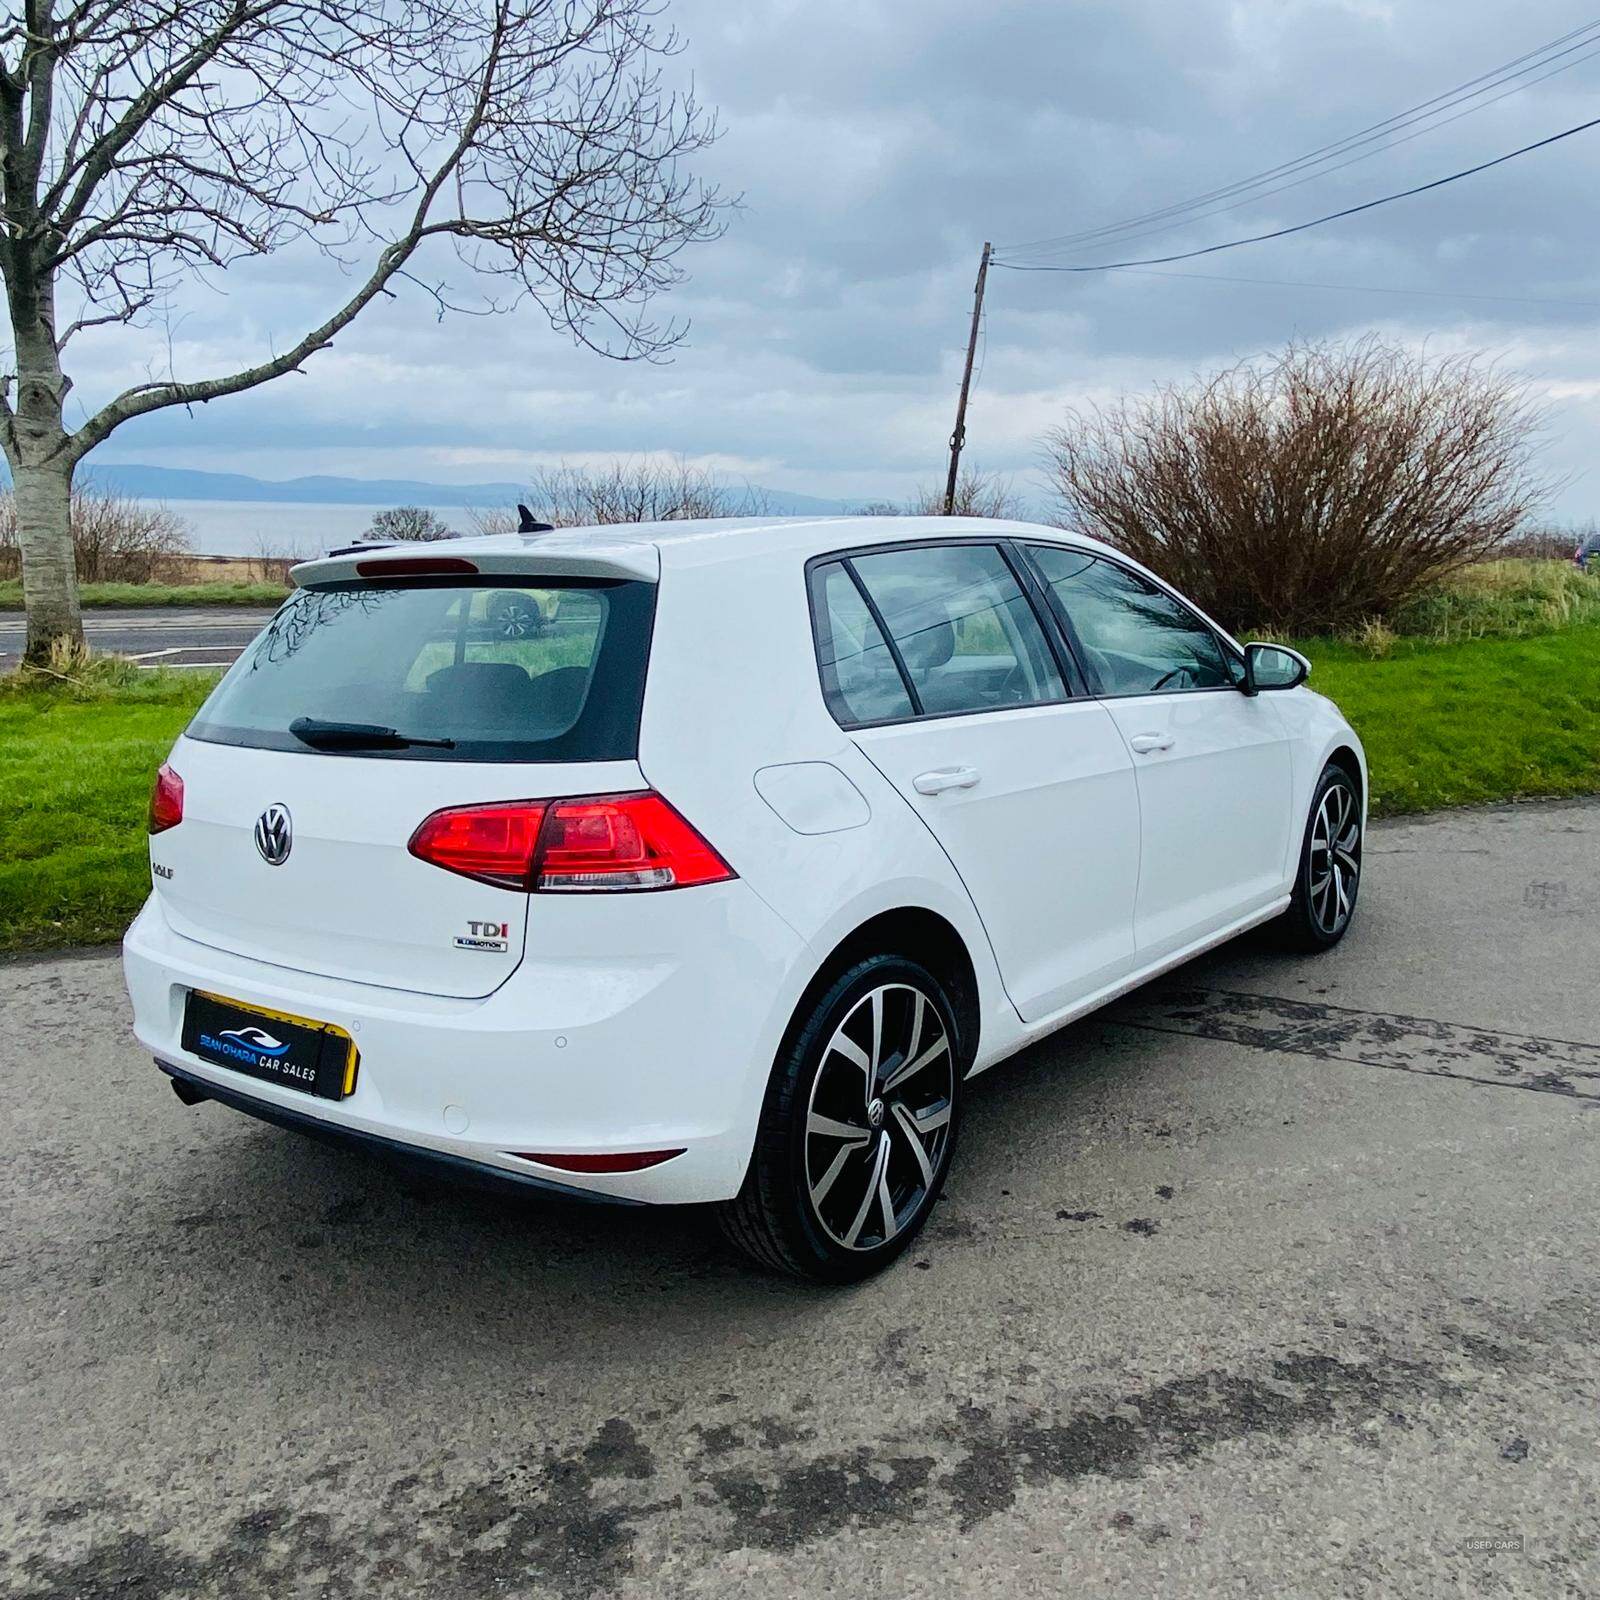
598, 842
166, 800
493, 844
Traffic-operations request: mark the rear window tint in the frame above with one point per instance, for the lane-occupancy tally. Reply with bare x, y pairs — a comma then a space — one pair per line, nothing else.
509, 670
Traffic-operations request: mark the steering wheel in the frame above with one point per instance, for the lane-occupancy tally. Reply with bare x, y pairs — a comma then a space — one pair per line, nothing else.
1167, 678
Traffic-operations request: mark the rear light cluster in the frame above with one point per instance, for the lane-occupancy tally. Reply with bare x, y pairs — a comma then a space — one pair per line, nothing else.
166, 801
598, 842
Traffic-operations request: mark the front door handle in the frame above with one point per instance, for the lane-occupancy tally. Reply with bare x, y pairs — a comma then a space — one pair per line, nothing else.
1144, 743
942, 778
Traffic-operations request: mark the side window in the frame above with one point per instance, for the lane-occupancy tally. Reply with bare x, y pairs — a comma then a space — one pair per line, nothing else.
1139, 640
965, 630
859, 678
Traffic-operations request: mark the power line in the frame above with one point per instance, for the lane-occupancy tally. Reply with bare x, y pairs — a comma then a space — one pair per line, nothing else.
1520, 66
1323, 172
1315, 222
1371, 288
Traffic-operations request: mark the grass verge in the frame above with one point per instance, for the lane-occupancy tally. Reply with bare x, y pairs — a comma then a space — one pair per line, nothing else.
114, 596
1444, 725
76, 764
1492, 600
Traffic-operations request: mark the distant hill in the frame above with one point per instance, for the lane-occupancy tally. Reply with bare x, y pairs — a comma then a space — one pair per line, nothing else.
180, 483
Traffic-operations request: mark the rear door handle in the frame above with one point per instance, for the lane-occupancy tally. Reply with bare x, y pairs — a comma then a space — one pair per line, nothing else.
942, 778
1144, 743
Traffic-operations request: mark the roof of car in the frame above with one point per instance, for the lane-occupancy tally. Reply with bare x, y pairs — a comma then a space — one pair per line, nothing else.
643, 549
712, 539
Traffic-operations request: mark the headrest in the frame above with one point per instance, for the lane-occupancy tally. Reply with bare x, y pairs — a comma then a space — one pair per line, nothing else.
932, 639
485, 685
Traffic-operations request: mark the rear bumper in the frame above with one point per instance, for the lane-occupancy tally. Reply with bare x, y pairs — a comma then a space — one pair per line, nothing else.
667, 1047
195, 1089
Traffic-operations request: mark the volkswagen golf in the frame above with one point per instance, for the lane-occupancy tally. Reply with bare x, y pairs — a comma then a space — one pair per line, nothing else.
719, 883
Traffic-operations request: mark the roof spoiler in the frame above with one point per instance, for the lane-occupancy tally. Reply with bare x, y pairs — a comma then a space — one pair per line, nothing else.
360, 545
554, 555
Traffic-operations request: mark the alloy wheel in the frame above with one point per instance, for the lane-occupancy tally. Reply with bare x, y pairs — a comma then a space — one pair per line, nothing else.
878, 1121
1335, 865
516, 618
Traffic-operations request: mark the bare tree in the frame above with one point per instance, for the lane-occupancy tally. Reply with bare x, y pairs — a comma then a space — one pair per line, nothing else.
1314, 491
408, 522
639, 490
145, 143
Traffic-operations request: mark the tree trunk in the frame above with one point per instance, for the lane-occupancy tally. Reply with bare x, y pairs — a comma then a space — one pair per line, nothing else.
42, 460
44, 530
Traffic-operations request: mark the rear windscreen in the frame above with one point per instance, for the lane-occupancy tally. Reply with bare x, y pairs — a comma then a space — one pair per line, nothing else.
510, 670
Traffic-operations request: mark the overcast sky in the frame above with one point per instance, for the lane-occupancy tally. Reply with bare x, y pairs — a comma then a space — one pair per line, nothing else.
877, 144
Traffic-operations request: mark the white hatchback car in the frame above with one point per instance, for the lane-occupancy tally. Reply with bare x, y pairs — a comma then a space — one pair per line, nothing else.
705, 861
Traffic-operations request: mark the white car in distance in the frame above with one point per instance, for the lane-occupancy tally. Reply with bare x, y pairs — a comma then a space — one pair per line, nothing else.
720, 882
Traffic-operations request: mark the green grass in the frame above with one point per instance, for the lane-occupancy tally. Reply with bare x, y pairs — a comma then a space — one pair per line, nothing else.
1444, 724
1473, 721
125, 595
76, 766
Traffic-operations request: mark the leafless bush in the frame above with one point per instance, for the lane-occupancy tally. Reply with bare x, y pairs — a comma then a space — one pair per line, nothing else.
1542, 542
640, 490
408, 522
115, 539
1312, 492
271, 560
978, 494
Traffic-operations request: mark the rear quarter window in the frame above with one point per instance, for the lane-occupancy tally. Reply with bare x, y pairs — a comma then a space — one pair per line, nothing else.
513, 669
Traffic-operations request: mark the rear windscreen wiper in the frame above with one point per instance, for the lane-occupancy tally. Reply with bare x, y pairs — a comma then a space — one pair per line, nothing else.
357, 736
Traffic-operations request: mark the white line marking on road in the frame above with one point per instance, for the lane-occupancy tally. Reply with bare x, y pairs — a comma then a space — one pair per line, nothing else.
178, 650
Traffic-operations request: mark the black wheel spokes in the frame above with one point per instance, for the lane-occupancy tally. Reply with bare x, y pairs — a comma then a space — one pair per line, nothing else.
1335, 864
879, 1117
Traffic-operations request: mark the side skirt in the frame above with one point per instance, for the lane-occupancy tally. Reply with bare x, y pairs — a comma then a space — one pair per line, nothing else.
1031, 1034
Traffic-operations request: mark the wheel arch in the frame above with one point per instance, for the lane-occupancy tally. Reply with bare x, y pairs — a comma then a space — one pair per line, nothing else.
1345, 758
923, 936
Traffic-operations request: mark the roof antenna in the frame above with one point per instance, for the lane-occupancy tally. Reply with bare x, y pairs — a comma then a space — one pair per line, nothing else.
526, 523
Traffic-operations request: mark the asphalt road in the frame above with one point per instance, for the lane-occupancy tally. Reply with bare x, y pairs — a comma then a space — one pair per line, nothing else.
1263, 1286
166, 636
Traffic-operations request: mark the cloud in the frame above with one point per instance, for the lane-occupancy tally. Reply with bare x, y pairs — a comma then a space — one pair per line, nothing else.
877, 145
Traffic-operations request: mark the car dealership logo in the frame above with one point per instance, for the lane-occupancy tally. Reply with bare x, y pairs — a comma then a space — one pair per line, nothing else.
257, 1039
274, 835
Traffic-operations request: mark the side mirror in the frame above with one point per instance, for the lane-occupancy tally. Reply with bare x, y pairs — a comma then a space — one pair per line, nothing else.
1273, 666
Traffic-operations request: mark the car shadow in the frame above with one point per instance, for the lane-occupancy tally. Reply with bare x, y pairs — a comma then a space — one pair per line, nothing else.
364, 1245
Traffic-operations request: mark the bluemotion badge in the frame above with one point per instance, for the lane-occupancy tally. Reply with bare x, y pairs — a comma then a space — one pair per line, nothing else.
492, 936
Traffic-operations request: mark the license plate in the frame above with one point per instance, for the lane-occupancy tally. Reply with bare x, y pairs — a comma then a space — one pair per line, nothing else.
314, 1057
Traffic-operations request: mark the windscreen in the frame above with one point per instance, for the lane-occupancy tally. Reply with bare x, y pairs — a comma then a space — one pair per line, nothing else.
510, 669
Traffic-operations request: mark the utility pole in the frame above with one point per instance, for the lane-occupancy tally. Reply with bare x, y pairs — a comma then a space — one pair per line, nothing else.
959, 436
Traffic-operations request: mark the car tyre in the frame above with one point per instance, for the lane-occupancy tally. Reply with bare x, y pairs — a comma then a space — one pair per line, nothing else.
857, 1129
1329, 874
